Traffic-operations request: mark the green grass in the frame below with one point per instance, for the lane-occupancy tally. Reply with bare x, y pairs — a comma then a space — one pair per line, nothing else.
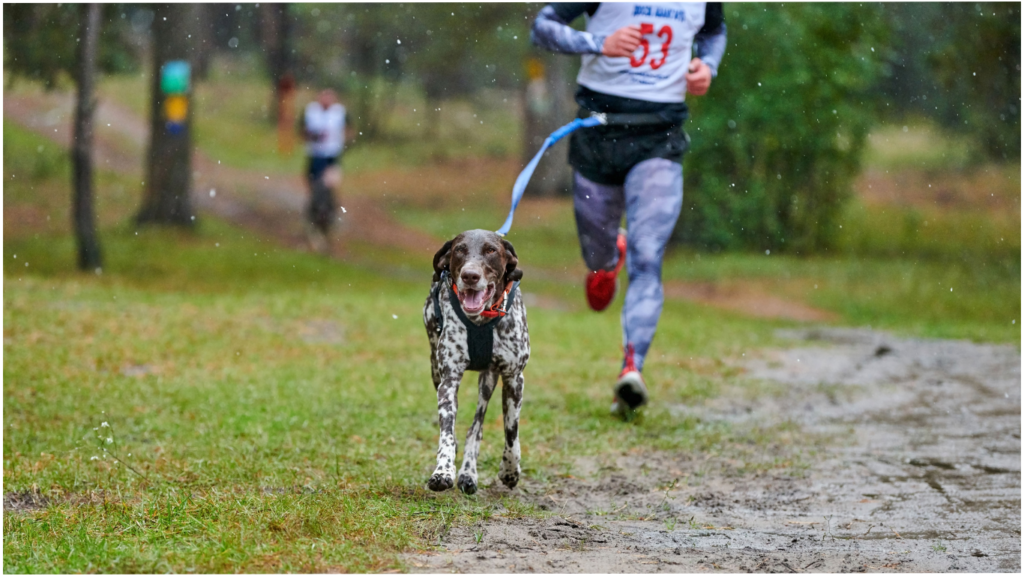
906, 296
37, 175
269, 412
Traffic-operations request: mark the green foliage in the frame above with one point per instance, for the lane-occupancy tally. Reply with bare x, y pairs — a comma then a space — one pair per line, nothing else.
40, 41
777, 141
444, 50
958, 64
980, 68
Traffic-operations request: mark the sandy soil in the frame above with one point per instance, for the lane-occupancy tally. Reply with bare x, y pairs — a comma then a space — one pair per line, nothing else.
910, 454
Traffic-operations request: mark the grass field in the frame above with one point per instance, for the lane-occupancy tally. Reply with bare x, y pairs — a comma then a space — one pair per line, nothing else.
212, 402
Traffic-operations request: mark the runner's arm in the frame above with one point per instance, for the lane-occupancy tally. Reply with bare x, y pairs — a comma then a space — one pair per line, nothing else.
551, 29
710, 42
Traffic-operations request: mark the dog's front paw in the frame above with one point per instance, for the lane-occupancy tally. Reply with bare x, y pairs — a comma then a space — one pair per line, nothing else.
441, 481
509, 477
467, 484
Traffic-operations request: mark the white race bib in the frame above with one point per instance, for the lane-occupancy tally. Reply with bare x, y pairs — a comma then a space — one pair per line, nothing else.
656, 71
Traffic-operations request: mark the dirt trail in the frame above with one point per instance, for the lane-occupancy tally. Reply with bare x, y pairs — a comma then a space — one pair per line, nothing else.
912, 455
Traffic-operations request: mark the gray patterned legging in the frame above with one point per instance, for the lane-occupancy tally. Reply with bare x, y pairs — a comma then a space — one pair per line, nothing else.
651, 197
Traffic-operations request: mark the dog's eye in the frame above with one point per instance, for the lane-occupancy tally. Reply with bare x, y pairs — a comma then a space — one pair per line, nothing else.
489, 250
460, 249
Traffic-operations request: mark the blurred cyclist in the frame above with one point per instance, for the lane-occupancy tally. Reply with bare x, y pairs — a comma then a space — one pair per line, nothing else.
323, 127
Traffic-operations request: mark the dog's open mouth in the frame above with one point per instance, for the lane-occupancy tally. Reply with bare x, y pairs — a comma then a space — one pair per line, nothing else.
474, 301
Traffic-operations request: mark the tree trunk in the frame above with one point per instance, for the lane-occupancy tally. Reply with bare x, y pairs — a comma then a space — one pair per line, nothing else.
169, 162
275, 36
206, 35
83, 212
548, 106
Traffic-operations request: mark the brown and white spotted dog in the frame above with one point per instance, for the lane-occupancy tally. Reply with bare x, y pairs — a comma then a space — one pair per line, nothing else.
481, 265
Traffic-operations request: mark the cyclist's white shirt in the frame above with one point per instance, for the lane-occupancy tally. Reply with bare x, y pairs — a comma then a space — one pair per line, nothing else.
657, 72
330, 123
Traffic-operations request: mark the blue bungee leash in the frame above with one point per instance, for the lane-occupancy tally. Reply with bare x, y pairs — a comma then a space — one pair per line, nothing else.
524, 176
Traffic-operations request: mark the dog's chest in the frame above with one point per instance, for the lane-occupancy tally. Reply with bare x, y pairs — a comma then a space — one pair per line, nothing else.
503, 345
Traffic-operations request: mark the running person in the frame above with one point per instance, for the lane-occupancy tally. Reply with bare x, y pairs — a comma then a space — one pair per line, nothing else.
638, 59
323, 124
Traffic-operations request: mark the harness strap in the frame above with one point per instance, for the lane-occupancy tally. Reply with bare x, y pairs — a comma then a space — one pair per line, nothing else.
437, 302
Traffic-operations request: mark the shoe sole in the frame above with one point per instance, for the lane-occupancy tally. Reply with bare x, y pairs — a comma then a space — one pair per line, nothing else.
631, 392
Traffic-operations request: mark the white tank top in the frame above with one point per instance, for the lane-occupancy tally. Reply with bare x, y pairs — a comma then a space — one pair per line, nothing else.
330, 125
656, 71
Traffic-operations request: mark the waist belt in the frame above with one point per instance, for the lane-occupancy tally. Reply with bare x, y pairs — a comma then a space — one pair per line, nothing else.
479, 337
632, 119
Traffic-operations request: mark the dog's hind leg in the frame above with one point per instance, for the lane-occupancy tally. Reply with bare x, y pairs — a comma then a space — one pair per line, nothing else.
511, 402
467, 475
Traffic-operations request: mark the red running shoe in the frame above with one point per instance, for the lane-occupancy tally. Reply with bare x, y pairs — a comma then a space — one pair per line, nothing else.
603, 284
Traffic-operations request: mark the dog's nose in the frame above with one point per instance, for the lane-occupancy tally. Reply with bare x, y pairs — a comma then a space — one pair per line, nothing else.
470, 278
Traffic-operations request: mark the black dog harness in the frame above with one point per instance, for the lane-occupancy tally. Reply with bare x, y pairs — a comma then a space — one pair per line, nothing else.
479, 338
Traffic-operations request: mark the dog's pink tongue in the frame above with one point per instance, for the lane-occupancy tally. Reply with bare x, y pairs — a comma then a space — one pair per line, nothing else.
474, 299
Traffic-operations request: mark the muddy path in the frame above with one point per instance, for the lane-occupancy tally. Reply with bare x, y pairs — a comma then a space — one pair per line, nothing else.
910, 455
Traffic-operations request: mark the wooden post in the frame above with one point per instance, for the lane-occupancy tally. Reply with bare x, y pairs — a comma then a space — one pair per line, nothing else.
169, 162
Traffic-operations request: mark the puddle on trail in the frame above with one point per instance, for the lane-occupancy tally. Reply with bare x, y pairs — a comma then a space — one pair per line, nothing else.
916, 469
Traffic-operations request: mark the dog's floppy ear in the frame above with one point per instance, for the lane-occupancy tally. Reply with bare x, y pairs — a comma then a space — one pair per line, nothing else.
512, 273
441, 259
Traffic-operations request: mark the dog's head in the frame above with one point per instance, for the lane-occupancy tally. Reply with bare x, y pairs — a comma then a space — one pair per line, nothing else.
481, 264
